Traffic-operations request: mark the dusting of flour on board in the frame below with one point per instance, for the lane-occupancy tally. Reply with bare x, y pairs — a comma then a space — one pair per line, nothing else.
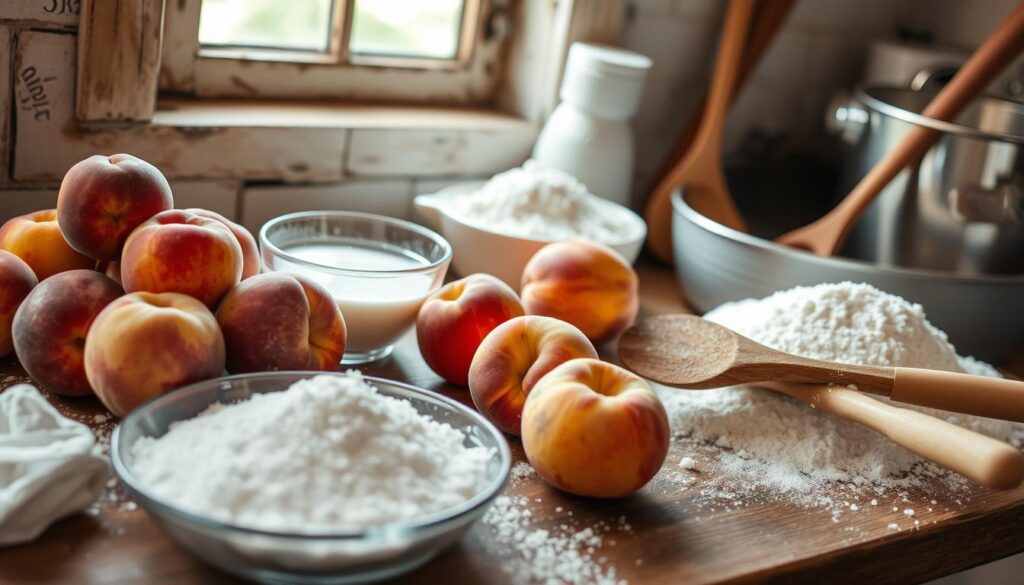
768, 446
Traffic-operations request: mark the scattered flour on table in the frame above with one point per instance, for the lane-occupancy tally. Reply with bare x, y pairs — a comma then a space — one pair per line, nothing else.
554, 555
536, 201
328, 453
775, 442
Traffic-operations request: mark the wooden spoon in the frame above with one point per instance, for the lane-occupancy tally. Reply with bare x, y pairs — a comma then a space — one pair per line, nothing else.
973, 455
701, 169
687, 351
767, 20
827, 235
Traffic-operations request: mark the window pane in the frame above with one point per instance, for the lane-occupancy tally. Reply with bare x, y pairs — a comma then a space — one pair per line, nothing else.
407, 28
296, 24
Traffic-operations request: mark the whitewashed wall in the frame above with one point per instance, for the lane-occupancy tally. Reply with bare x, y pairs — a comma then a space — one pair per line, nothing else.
821, 48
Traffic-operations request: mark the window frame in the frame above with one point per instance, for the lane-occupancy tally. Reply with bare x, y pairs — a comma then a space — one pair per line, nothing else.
208, 72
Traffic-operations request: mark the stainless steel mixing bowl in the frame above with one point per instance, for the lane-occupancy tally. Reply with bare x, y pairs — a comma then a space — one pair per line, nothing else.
961, 207
983, 315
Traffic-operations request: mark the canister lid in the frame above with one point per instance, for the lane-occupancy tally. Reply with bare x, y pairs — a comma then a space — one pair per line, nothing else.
606, 80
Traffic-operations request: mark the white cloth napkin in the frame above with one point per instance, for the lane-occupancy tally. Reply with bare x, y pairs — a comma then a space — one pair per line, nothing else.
50, 465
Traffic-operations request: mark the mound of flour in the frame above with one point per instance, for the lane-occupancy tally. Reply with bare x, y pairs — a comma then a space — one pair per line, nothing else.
783, 443
535, 201
328, 453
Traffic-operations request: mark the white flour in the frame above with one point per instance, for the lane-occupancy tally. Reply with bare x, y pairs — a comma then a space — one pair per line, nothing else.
329, 453
784, 444
540, 202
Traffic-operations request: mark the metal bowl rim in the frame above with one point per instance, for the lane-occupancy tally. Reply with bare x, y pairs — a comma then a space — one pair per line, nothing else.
866, 96
691, 215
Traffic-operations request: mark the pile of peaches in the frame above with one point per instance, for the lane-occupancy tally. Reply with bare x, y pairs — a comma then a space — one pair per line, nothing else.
588, 427
116, 293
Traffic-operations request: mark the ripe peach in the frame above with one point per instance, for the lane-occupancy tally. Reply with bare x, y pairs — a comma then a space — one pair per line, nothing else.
279, 321
595, 429
112, 268
16, 282
513, 357
453, 322
178, 251
250, 251
146, 344
102, 199
51, 326
586, 284
36, 239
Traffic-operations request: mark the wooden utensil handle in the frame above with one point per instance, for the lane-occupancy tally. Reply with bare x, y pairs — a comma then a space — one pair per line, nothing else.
1005, 43
973, 455
980, 395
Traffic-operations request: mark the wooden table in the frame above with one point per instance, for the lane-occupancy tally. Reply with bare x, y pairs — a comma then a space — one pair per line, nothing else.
675, 535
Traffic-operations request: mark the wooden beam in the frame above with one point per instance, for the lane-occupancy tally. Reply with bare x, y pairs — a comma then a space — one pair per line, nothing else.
119, 44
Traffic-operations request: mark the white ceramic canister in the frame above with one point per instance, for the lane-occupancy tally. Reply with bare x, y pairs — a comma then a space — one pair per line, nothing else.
589, 135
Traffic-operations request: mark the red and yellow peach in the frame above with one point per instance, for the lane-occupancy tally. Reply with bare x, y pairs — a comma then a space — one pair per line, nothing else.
16, 282
36, 239
586, 284
453, 322
280, 321
178, 251
103, 198
513, 357
144, 344
250, 251
52, 324
594, 429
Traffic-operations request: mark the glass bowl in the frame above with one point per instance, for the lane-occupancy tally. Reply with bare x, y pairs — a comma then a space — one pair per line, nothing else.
363, 555
378, 268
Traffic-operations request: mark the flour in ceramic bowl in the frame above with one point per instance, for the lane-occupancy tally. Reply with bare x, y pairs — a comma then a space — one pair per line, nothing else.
535, 201
784, 444
330, 453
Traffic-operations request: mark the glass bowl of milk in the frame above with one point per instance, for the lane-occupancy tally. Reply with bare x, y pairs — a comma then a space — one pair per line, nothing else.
379, 269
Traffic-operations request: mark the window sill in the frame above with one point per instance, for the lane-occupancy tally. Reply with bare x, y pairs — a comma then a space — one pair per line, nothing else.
324, 141
227, 113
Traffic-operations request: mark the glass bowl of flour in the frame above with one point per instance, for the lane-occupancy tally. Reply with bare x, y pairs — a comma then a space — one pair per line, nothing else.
316, 478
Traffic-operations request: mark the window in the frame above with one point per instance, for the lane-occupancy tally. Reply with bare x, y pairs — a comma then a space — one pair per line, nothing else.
442, 51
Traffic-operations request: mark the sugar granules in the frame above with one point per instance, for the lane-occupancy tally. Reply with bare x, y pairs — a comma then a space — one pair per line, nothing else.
769, 441
328, 453
561, 554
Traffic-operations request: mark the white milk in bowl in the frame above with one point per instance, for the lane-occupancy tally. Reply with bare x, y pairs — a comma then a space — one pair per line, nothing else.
378, 300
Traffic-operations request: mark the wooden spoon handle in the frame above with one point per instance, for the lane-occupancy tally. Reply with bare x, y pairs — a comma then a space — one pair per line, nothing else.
826, 236
980, 395
973, 455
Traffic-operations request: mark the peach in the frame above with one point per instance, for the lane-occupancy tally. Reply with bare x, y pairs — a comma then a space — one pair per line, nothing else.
513, 357
144, 344
594, 429
453, 322
112, 268
102, 199
16, 282
51, 326
178, 251
250, 251
586, 284
279, 321
36, 239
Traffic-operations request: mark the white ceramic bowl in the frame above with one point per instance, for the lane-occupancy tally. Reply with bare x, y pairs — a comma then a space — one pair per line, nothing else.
479, 249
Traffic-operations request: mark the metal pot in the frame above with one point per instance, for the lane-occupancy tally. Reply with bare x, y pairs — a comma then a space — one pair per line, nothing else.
961, 209
983, 315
